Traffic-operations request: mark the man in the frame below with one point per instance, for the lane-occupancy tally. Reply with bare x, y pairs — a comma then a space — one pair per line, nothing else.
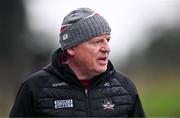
80, 81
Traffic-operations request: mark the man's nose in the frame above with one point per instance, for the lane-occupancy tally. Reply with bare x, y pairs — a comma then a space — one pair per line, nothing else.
105, 47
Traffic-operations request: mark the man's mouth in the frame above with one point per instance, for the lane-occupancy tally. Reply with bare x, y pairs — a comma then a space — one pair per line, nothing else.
103, 60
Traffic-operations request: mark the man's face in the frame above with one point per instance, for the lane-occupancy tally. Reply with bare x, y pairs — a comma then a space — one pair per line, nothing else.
92, 56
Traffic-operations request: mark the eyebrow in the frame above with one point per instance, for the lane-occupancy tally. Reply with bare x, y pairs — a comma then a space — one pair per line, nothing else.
98, 38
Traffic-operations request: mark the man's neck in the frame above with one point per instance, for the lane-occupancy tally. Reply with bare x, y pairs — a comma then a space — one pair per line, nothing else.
80, 72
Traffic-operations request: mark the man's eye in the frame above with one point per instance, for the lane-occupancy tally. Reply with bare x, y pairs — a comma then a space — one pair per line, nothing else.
97, 42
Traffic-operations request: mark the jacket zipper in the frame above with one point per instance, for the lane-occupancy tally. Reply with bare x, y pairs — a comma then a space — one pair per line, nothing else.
87, 101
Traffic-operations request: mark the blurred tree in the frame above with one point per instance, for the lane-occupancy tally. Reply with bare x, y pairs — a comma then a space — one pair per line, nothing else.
12, 25
162, 51
16, 53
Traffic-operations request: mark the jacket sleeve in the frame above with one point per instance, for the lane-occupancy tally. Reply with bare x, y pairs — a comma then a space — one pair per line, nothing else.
137, 109
23, 105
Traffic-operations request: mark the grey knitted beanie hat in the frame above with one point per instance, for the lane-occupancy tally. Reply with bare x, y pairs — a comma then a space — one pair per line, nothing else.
81, 25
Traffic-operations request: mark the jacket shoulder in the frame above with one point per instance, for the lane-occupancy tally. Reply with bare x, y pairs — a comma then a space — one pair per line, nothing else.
39, 77
28, 94
37, 81
127, 83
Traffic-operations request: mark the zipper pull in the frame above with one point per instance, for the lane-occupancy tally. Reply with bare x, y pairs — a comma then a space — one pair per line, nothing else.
86, 92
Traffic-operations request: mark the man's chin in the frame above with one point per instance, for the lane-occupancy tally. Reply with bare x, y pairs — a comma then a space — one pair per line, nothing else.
102, 69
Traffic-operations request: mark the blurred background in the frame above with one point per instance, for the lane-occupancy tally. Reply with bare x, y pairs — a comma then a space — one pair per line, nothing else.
145, 45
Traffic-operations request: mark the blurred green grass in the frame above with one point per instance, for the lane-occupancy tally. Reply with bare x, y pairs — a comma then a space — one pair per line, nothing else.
160, 94
162, 100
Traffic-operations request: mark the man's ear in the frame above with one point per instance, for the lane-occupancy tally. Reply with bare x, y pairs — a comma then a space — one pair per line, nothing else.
71, 51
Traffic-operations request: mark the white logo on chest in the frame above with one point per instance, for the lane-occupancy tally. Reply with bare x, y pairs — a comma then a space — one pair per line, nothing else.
108, 104
58, 104
107, 84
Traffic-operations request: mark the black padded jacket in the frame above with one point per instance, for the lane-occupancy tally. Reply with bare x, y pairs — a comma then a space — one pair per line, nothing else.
56, 91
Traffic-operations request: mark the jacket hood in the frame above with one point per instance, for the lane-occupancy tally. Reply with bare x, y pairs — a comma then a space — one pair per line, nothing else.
63, 71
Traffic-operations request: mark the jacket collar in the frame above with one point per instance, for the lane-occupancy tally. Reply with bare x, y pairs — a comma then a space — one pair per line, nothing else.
60, 69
